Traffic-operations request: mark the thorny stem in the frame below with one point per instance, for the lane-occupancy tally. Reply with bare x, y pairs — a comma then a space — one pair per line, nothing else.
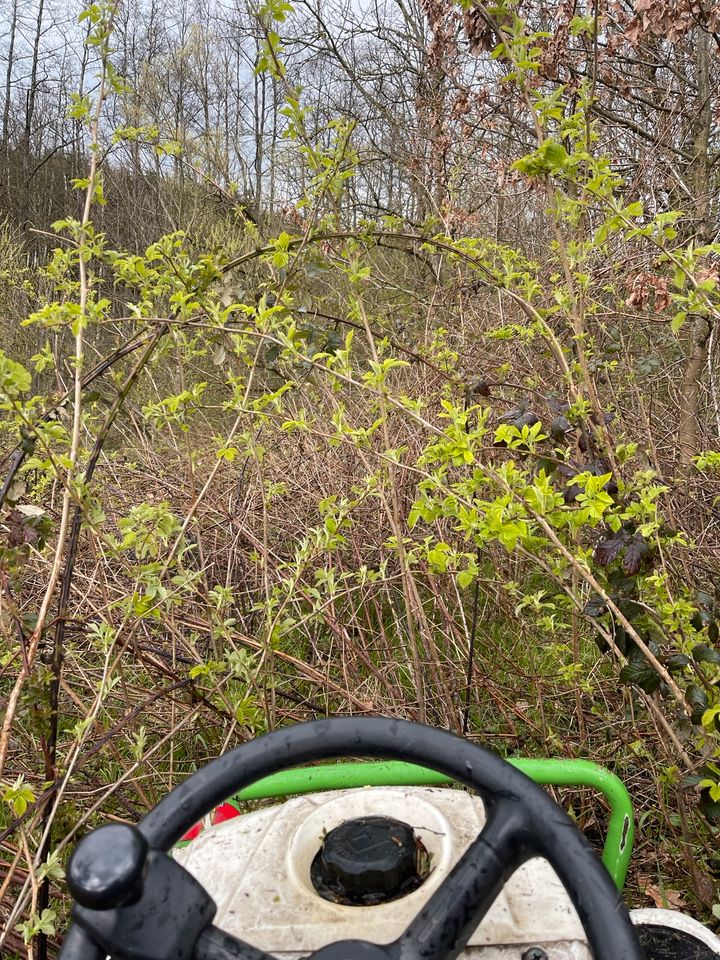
85, 284
412, 603
58, 647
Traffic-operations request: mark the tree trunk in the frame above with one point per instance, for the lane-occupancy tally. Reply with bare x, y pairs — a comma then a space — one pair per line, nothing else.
32, 92
8, 76
688, 426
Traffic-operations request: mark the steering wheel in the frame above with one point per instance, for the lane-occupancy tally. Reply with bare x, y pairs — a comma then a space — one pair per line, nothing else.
134, 902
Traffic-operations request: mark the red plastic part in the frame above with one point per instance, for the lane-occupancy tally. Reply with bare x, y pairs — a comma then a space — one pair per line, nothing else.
192, 832
226, 811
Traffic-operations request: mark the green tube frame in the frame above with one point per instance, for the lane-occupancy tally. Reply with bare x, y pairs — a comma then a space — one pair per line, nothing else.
559, 773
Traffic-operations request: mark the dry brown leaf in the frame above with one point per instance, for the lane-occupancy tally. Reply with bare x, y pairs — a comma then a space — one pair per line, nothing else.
665, 899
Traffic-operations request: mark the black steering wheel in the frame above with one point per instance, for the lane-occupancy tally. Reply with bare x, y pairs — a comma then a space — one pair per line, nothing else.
134, 902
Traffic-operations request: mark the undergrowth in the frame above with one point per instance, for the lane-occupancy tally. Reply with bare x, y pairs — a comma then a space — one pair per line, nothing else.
366, 469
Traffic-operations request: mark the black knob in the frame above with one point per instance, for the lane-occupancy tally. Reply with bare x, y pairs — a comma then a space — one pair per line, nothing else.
107, 867
368, 860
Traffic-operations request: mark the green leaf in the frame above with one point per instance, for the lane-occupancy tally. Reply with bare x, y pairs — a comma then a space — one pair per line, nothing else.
14, 378
702, 653
710, 721
550, 157
52, 867
677, 321
19, 796
227, 453
642, 674
634, 209
697, 698
465, 578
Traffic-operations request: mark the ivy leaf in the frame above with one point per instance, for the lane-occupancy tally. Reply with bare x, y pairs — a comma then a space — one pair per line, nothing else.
559, 427
333, 343
634, 554
702, 653
608, 550
708, 807
677, 662
520, 416
481, 388
640, 673
704, 599
697, 698
595, 607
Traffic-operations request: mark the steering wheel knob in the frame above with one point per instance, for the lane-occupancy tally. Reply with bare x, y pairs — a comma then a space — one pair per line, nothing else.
107, 867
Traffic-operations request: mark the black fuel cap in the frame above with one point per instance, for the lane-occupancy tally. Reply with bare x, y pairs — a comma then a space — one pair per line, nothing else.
369, 860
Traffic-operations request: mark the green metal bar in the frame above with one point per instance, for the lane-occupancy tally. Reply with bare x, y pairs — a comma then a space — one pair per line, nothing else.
566, 773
